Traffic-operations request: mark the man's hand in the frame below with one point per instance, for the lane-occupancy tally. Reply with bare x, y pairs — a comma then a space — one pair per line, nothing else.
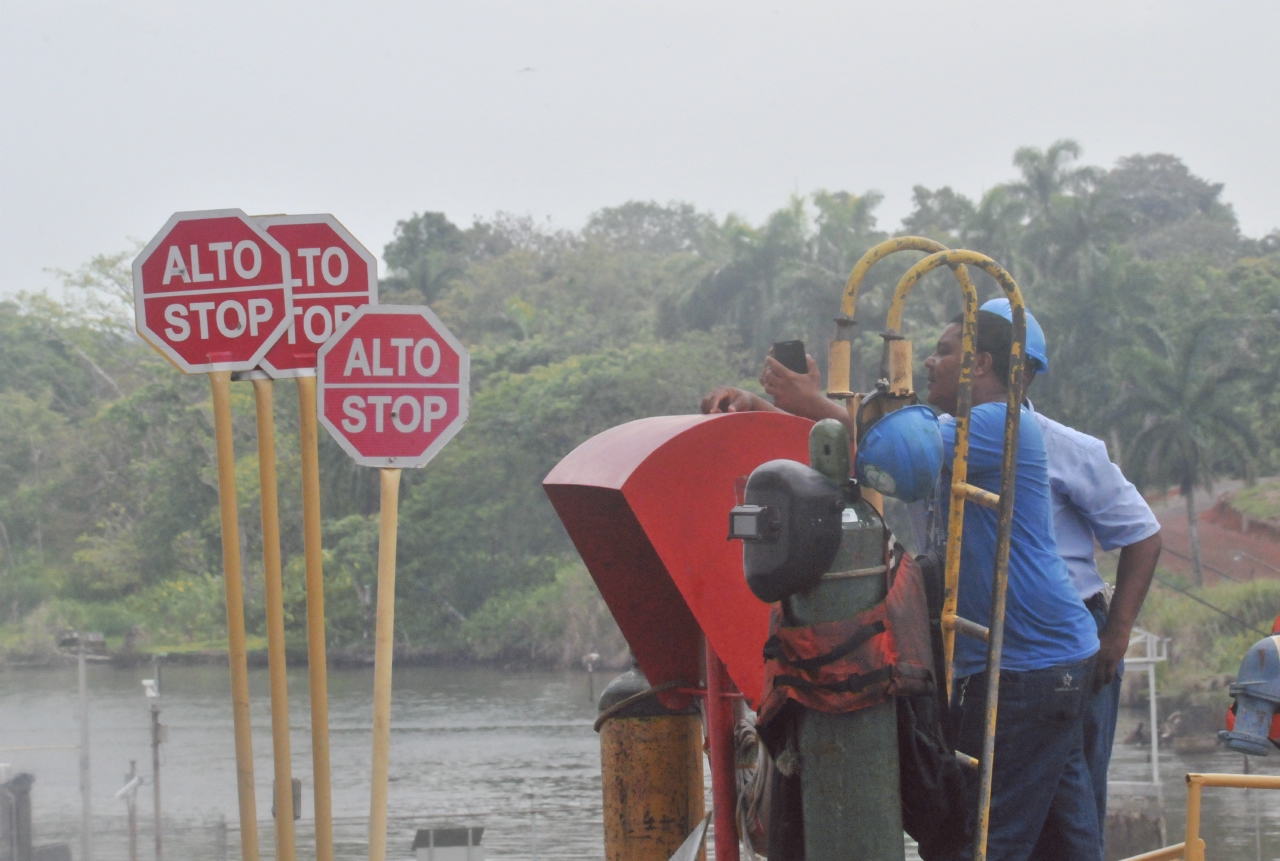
1113, 645
801, 394
798, 394
727, 399
1134, 571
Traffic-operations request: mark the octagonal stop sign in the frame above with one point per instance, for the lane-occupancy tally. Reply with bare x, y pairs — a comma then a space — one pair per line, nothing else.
394, 385
333, 275
212, 291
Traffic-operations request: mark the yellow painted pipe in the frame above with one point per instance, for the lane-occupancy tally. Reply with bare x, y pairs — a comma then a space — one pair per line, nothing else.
1194, 846
317, 661
849, 302
383, 643
840, 353
651, 770
1176, 852
220, 383
273, 582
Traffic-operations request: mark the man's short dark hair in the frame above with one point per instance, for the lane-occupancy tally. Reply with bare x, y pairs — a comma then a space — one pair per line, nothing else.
995, 336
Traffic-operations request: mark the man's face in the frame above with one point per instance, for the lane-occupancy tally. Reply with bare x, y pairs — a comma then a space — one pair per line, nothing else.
944, 370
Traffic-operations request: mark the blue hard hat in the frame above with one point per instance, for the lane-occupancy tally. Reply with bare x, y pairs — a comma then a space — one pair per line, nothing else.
1035, 335
901, 454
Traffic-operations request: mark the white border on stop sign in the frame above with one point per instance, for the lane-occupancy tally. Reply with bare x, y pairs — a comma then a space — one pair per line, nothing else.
139, 304
464, 387
371, 292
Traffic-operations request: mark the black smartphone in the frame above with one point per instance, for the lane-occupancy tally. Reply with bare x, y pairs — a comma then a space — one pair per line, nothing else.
791, 355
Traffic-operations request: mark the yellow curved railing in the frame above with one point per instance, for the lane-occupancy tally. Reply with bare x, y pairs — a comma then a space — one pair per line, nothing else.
897, 384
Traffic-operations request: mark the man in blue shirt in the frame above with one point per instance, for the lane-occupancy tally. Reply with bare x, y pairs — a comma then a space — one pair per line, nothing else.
1089, 497
1091, 500
1040, 780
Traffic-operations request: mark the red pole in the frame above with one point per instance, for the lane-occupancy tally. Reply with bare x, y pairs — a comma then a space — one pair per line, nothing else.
724, 766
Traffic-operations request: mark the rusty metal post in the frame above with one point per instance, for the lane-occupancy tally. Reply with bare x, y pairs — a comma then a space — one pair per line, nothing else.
651, 771
724, 766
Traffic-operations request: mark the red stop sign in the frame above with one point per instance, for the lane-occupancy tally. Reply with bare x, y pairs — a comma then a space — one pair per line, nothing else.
394, 385
333, 275
211, 291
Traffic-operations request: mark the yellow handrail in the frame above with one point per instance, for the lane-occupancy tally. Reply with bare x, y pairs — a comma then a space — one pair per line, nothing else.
1192, 849
899, 375
962, 491
841, 350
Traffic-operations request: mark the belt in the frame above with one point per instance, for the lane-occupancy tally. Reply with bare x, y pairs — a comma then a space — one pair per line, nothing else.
1099, 602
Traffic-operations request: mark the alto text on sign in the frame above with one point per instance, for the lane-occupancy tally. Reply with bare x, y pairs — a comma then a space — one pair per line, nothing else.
212, 291
394, 385
333, 275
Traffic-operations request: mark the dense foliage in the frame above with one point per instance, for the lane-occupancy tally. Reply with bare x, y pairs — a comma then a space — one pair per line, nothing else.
108, 502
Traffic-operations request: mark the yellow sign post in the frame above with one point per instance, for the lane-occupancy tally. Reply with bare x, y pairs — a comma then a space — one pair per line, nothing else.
212, 293
273, 583
237, 652
317, 660
383, 647
393, 415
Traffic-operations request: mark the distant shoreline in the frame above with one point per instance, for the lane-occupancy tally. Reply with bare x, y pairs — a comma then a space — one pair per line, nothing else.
257, 658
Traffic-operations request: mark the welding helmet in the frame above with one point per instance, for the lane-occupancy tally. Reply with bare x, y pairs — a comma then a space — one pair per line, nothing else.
790, 527
1035, 335
901, 454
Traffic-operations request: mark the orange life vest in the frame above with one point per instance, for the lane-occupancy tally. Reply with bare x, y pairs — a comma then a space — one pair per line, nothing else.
854, 663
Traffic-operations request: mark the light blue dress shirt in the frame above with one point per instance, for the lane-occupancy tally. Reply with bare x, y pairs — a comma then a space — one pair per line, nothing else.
1091, 499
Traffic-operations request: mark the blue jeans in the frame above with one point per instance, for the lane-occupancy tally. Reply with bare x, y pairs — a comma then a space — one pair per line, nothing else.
1099, 735
1100, 732
1040, 780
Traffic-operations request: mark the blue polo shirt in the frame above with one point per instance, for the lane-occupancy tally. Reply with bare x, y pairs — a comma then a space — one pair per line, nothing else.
1046, 623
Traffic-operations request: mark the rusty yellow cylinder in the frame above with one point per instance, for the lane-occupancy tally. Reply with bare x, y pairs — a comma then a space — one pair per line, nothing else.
651, 764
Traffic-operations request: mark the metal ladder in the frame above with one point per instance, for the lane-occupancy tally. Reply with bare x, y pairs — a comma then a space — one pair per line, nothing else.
895, 391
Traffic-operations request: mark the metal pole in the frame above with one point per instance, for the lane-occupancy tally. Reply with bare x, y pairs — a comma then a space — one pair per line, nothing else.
132, 800
1155, 743
155, 775
237, 652
263, 390
724, 766
317, 661
1155, 728
382, 655
86, 801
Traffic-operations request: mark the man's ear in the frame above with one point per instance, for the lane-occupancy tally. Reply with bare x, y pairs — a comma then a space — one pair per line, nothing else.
982, 363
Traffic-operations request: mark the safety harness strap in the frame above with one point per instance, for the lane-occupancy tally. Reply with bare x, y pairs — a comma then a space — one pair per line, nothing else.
773, 650
853, 684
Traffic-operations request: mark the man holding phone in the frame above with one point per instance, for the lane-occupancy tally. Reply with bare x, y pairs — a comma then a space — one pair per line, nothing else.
1091, 499
796, 388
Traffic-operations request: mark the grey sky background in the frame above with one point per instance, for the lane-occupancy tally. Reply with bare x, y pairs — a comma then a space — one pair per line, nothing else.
115, 114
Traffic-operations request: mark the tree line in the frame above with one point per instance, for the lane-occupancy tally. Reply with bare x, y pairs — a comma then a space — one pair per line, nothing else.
1162, 320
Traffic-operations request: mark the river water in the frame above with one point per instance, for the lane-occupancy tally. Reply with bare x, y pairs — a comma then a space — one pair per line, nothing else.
514, 752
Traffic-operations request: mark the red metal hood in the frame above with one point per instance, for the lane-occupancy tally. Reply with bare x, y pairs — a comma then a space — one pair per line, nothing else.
646, 504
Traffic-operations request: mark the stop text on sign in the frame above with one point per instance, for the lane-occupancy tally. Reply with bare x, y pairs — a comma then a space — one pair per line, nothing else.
406, 414
333, 275
212, 291
394, 385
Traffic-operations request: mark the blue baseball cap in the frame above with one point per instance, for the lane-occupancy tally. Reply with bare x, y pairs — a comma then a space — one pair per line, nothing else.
1035, 335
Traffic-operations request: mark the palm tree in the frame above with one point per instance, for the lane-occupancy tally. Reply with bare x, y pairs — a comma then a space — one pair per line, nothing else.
1048, 173
1188, 406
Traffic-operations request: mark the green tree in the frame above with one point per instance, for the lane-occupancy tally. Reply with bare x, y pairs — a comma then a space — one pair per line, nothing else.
1187, 401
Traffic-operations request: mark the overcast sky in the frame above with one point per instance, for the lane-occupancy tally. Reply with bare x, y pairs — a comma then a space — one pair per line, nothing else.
115, 114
